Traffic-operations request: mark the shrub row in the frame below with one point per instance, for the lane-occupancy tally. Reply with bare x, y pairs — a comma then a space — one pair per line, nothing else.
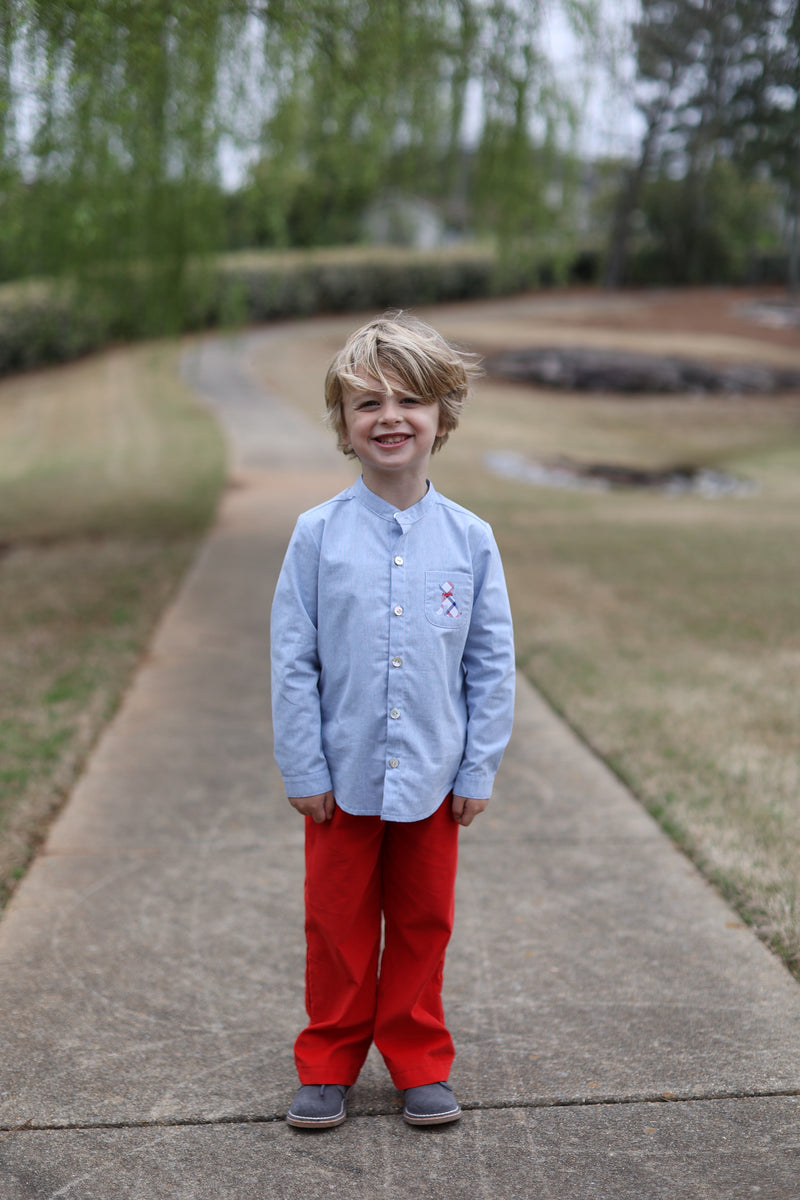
254, 293
40, 324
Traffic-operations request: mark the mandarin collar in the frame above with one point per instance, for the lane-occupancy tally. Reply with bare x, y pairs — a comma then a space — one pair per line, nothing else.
404, 517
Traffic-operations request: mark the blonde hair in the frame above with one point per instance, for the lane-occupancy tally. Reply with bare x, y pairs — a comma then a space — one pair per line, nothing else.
413, 352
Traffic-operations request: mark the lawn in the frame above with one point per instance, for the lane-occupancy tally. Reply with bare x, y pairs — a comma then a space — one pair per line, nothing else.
665, 628
109, 473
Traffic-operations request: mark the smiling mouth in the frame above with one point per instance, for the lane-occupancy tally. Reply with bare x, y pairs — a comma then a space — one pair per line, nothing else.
392, 439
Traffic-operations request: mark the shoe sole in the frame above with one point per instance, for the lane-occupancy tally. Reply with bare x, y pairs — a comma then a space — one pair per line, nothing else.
298, 1122
432, 1118
315, 1122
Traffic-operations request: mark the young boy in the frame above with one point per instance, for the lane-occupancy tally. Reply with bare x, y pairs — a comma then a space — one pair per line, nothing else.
393, 683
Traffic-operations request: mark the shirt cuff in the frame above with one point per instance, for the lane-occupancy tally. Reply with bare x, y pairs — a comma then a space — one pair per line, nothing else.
473, 786
308, 785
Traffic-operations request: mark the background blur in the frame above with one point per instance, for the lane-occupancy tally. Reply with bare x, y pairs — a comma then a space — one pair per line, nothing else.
651, 141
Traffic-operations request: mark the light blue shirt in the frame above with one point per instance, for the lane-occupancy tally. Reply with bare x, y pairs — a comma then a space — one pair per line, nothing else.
392, 655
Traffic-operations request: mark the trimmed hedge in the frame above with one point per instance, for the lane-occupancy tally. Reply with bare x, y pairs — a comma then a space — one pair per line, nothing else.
251, 288
42, 324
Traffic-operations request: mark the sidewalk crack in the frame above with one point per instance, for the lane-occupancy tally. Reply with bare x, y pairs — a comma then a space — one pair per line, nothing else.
543, 1104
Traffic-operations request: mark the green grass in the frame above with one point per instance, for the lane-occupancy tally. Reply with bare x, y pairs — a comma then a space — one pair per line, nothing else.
109, 473
107, 446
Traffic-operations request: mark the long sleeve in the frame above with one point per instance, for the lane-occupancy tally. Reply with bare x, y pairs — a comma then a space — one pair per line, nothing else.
296, 712
488, 662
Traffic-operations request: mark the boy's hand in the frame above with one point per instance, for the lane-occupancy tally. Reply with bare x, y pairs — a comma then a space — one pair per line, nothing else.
319, 808
465, 810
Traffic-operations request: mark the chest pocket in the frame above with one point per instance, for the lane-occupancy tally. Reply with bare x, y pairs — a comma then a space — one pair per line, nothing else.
448, 598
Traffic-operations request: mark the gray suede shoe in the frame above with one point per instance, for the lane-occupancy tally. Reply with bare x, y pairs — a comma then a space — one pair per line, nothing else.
431, 1104
318, 1106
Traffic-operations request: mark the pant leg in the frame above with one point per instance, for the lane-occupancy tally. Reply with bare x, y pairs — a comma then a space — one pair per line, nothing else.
419, 873
343, 932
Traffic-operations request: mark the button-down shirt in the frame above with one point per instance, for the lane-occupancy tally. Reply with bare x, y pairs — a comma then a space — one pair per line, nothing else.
392, 655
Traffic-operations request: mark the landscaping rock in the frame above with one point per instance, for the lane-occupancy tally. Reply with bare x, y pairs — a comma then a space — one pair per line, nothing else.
563, 472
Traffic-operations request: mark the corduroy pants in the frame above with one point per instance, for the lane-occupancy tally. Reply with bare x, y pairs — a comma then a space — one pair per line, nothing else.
359, 869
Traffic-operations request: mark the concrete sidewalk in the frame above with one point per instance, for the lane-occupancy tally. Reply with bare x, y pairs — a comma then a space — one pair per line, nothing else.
619, 1032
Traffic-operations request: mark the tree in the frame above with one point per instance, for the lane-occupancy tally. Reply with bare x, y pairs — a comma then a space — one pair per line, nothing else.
352, 85
125, 103
10, 181
767, 115
695, 59
707, 244
122, 157
373, 96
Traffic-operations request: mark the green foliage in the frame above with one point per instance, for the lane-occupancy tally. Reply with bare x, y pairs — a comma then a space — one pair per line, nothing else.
711, 238
767, 124
112, 116
373, 99
717, 87
354, 77
115, 190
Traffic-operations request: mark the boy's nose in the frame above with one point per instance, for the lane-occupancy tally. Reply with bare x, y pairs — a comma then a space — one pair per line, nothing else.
392, 412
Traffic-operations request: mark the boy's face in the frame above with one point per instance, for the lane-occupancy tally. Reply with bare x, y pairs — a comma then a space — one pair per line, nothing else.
390, 428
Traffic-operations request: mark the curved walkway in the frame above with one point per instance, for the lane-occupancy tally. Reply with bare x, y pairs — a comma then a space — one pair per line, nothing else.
619, 1032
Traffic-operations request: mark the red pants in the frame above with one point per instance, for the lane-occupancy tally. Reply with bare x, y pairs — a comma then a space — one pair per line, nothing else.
356, 868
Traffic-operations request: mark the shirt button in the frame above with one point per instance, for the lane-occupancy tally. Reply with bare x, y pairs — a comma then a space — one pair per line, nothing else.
397, 662
394, 714
398, 610
398, 560
394, 762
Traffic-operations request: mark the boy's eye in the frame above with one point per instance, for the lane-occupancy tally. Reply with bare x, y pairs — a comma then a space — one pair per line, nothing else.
371, 402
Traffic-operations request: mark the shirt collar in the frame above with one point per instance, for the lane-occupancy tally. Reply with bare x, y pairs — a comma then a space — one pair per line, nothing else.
404, 517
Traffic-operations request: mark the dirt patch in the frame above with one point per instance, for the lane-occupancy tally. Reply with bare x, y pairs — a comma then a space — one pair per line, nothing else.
736, 312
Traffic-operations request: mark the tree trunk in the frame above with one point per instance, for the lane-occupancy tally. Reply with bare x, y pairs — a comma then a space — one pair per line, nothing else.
793, 273
627, 200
